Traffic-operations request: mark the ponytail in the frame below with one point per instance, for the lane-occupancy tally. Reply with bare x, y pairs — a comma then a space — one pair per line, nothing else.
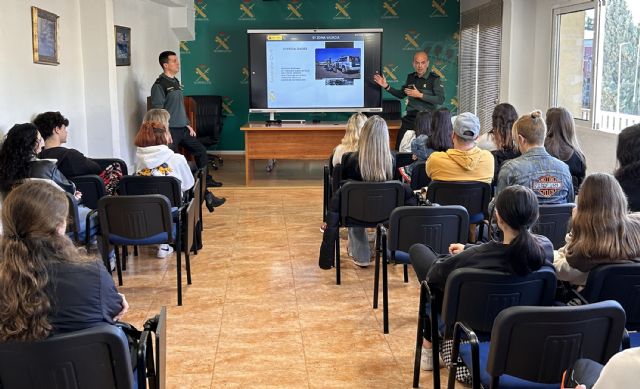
518, 208
525, 253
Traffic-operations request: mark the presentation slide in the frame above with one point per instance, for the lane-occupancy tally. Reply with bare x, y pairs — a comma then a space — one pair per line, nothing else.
315, 70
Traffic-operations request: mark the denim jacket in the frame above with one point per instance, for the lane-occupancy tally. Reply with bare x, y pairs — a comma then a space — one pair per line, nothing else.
419, 148
548, 177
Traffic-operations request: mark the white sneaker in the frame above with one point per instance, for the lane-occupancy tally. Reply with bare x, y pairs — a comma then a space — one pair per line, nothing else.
426, 359
164, 250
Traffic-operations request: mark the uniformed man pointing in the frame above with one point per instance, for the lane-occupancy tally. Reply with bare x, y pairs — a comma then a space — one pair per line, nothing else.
424, 93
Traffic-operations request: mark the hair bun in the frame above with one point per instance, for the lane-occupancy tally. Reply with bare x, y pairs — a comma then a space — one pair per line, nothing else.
536, 114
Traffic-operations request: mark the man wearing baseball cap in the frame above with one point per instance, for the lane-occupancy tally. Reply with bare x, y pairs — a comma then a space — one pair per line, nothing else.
465, 161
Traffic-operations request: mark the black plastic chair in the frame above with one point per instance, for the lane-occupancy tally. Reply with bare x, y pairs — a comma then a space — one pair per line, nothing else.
437, 227
553, 222
391, 109
104, 162
92, 188
419, 177
73, 224
535, 345
473, 195
136, 221
621, 283
475, 297
367, 204
93, 358
143, 185
209, 124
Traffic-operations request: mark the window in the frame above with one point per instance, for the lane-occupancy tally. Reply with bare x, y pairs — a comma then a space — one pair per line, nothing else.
479, 66
597, 63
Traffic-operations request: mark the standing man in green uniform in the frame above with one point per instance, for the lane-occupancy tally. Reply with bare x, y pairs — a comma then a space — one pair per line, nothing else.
424, 93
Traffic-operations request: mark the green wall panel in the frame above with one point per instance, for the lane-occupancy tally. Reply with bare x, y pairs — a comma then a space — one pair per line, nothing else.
216, 62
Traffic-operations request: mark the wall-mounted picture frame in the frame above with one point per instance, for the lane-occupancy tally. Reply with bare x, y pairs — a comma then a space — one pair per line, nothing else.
45, 36
123, 46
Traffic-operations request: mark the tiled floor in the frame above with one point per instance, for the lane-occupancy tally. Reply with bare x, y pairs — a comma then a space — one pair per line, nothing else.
261, 313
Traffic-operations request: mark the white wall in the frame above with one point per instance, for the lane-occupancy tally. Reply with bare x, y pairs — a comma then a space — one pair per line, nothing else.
30, 88
134, 82
104, 103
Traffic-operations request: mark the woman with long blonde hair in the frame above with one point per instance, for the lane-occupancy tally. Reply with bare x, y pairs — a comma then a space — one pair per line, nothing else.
602, 230
48, 285
349, 142
373, 162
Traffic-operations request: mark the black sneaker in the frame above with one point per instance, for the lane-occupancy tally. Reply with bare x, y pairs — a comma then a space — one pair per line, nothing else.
211, 183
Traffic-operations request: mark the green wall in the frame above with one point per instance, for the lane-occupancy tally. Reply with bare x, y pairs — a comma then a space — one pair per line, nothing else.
216, 62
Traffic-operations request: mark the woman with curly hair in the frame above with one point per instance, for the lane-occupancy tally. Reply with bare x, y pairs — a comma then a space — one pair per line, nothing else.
349, 142
502, 119
18, 161
628, 174
602, 231
48, 285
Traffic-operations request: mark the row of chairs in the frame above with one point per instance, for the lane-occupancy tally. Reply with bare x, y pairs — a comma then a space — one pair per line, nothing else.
148, 210
516, 338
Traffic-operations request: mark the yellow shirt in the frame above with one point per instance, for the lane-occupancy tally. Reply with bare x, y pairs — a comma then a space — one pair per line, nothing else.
457, 165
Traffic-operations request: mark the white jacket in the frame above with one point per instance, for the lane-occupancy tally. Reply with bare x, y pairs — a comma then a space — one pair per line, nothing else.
160, 160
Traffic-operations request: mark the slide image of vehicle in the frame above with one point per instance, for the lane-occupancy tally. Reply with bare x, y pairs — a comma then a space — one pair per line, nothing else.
338, 62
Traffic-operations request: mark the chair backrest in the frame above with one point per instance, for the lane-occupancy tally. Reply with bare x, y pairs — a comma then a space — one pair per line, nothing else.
553, 222
73, 220
135, 217
391, 109
419, 177
96, 358
144, 185
191, 219
540, 343
619, 282
92, 188
476, 296
336, 179
343, 162
209, 118
104, 162
473, 195
437, 227
367, 204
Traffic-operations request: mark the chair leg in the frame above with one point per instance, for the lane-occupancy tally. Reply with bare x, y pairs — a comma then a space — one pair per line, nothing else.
125, 255
376, 275
422, 317
178, 263
385, 286
435, 343
337, 259
187, 263
118, 265
406, 273
135, 251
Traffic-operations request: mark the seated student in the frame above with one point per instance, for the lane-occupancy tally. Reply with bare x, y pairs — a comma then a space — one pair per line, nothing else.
561, 142
162, 116
155, 158
628, 172
602, 231
372, 162
349, 142
48, 285
620, 372
418, 147
547, 176
520, 252
465, 161
54, 129
502, 119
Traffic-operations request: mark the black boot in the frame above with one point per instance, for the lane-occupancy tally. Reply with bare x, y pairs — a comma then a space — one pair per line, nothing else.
213, 183
212, 201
